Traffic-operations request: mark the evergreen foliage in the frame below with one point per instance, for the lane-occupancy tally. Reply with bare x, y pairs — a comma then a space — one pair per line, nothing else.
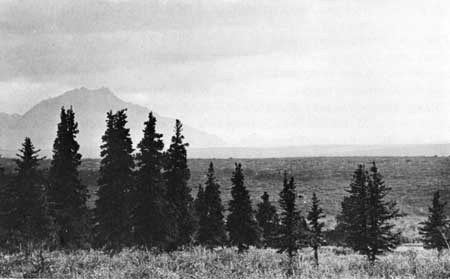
201, 214
381, 237
316, 238
241, 223
151, 212
67, 195
24, 210
268, 221
366, 215
3, 180
211, 230
434, 229
292, 227
176, 176
353, 218
112, 212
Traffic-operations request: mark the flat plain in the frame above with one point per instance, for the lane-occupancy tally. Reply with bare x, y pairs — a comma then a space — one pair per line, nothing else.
412, 179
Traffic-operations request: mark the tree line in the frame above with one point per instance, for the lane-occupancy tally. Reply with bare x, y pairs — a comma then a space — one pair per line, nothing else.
143, 200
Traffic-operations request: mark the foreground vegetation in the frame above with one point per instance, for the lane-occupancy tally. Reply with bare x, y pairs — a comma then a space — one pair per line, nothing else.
224, 263
144, 200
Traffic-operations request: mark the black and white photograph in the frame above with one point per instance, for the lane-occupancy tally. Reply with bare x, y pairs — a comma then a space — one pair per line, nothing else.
225, 139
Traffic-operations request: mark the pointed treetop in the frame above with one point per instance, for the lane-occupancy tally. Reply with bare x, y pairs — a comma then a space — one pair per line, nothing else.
265, 197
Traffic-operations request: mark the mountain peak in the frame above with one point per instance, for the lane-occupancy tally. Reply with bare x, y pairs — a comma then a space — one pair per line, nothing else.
90, 106
86, 92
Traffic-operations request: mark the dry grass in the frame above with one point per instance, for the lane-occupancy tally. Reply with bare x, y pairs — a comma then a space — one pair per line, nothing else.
225, 263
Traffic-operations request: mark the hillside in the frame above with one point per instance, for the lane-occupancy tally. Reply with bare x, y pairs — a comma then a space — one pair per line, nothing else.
90, 107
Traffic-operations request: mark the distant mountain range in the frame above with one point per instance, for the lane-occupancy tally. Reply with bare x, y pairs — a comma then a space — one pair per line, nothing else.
90, 106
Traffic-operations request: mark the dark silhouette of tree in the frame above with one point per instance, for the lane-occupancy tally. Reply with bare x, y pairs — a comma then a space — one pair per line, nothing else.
67, 195
381, 238
2, 172
292, 233
353, 218
177, 175
201, 212
7, 197
366, 215
112, 212
3, 179
316, 238
24, 214
211, 231
268, 221
151, 214
434, 229
241, 223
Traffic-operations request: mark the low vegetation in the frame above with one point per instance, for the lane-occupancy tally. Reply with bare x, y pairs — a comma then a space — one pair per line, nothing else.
226, 263
47, 229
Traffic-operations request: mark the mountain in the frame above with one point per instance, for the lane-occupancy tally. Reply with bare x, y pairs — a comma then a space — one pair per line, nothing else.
90, 106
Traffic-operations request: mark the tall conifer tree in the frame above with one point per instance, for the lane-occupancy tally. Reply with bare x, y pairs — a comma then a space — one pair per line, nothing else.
353, 218
366, 215
434, 229
177, 175
292, 231
268, 221
241, 223
151, 211
67, 195
112, 212
211, 231
201, 212
381, 212
2, 172
316, 238
27, 222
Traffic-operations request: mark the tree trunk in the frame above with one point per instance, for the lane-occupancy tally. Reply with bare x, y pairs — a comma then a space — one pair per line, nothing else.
290, 270
316, 256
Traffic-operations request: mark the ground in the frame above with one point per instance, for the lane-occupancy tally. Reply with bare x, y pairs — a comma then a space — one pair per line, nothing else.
412, 179
199, 263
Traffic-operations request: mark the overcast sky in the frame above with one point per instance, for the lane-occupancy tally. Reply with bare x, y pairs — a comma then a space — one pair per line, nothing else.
254, 72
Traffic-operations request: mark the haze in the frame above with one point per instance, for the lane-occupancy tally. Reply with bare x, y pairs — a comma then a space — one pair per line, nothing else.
253, 72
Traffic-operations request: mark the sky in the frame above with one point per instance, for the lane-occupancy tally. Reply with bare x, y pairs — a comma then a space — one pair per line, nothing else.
253, 72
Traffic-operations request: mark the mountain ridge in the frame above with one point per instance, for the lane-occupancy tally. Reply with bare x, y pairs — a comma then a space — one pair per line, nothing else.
90, 106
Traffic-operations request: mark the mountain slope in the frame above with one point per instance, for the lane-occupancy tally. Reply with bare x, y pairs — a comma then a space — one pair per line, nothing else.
90, 108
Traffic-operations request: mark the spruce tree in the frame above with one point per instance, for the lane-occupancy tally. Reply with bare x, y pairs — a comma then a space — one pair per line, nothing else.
112, 212
241, 223
211, 231
3, 177
316, 235
353, 218
201, 212
2, 173
434, 229
67, 195
26, 222
366, 215
292, 232
151, 212
267, 218
381, 237
7, 197
177, 175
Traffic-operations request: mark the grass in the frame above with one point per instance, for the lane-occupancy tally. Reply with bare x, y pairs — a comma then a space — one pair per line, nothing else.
412, 179
224, 263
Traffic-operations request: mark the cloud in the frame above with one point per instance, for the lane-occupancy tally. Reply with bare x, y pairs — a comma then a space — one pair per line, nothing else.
301, 69
53, 39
